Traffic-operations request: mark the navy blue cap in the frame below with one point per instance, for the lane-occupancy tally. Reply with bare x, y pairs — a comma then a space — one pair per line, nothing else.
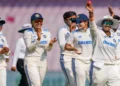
83, 17
36, 16
2, 22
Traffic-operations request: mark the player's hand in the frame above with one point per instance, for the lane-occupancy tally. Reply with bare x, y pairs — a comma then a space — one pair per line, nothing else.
7, 59
89, 6
38, 34
4, 50
111, 11
77, 51
52, 41
13, 68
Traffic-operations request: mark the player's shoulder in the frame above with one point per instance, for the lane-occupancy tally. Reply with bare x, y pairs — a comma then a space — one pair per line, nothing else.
63, 28
29, 30
45, 30
20, 39
75, 31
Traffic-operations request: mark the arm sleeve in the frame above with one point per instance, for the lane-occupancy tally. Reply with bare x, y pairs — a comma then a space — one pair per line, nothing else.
93, 29
30, 46
118, 49
61, 39
16, 53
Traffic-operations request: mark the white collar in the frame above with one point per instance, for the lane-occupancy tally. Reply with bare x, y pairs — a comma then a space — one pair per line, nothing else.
35, 31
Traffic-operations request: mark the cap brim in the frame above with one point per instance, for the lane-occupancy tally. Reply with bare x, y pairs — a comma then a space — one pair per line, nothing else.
2, 22
22, 30
36, 19
115, 22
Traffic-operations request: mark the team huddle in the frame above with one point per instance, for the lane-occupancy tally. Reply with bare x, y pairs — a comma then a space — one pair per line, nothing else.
87, 52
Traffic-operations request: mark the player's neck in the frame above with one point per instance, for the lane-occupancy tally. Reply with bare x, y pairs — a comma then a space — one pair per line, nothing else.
115, 30
108, 33
85, 29
72, 29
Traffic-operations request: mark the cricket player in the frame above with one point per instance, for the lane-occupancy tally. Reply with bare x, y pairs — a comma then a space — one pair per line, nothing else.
66, 56
106, 51
38, 41
19, 54
4, 52
82, 41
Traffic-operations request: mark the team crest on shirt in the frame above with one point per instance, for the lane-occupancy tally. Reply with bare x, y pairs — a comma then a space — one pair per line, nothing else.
114, 40
2, 40
67, 35
118, 34
44, 36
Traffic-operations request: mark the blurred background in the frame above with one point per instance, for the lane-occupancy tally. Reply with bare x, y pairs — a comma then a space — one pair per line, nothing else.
18, 12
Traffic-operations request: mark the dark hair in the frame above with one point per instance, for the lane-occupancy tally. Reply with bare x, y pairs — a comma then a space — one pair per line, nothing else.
69, 14
116, 17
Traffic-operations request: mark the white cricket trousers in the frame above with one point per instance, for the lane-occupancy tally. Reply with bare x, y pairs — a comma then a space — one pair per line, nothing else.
66, 65
81, 72
108, 75
2, 76
35, 70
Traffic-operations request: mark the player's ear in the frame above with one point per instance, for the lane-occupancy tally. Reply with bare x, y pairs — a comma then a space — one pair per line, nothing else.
65, 20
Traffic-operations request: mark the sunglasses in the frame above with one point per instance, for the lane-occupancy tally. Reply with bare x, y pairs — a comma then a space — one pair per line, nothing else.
37, 21
76, 20
109, 23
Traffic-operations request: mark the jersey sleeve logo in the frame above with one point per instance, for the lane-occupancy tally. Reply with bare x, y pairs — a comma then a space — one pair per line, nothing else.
44, 36
66, 36
79, 36
114, 40
118, 34
2, 40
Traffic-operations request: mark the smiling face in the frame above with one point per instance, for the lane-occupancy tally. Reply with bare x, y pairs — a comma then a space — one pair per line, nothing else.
106, 25
82, 25
37, 24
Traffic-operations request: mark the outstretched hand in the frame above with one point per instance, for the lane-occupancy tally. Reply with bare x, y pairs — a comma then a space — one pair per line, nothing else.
89, 6
52, 41
110, 10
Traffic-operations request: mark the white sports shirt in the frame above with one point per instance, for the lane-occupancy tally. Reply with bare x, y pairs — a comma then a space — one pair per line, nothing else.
106, 48
82, 41
34, 47
19, 51
63, 35
3, 42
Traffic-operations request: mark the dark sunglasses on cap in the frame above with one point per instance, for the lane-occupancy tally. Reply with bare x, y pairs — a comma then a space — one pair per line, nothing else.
37, 21
76, 20
107, 23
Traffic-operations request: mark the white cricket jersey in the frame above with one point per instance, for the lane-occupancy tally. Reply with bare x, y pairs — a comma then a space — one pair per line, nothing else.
117, 33
82, 41
63, 35
19, 52
34, 47
106, 48
3, 42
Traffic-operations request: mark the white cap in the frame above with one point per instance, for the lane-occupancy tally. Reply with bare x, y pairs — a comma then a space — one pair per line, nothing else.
25, 27
115, 22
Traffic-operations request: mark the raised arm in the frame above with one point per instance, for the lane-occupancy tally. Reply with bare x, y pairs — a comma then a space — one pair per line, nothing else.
93, 26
